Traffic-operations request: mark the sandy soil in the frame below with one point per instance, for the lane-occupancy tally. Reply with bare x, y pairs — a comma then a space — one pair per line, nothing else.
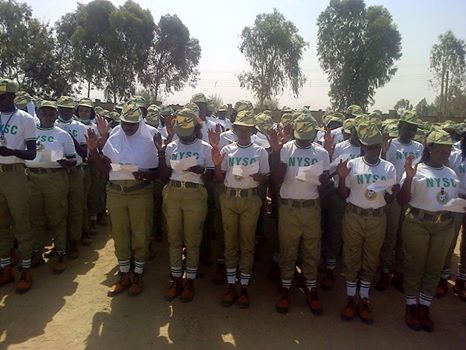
72, 311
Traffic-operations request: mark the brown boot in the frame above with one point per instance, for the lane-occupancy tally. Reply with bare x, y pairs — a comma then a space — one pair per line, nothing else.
364, 311
220, 275
230, 296
397, 281
459, 286
384, 282
60, 264
73, 251
123, 283
283, 304
6, 275
328, 280
136, 285
312, 299
424, 318
347, 313
37, 259
243, 298
188, 291
175, 289
442, 288
86, 239
25, 281
411, 317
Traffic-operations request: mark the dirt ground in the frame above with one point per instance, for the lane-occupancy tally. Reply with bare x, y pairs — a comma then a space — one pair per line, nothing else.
72, 311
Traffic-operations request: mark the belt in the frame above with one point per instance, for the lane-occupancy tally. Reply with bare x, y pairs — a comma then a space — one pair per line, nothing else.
45, 170
4, 168
296, 203
365, 212
184, 184
437, 217
128, 189
241, 192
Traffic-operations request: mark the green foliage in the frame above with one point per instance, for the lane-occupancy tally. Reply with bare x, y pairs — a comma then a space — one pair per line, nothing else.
216, 100
424, 109
172, 59
403, 104
357, 48
273, 49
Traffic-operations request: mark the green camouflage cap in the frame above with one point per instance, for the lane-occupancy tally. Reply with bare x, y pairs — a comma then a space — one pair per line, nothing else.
391, 130
421, 135
153, 115
65, 102
440, 137
211, 106
49, 104
139, 100
131, 113
304, 127
449, 125
461, 128
198, 98
378, 112
348, 124
375, 118
264, 123
332, 118
369, 134
223, 108
22, 99
245, 118
287, 119
86, 102
8, 85
192, 106
410, 117
389, 121
115, 116
185, 122
354, 110
286, 109
243, 105
118, 107
166, 111
99, 110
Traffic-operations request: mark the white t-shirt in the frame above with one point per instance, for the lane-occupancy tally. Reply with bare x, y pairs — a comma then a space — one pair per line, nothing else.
206, 126
242, 157
346, 151
176, 150
226, 123
52, 144
229, 137
295, 157
459, 166
75, 129
361, 175
338, 133
457, 145
433, 187
398, 152
18, 127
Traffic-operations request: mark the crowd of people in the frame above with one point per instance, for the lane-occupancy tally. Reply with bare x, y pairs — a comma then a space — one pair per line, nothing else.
384, 198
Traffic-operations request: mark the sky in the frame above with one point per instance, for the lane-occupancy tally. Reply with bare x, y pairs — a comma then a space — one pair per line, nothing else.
217, 24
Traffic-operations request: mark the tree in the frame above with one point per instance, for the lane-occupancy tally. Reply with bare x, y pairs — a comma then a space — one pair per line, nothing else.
173, 58
447, 62
273, 49
403, 104
216, 100
357, 47
424, 109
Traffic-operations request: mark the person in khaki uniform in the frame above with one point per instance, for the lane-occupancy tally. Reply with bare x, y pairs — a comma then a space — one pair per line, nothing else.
299, 212
364, 221
185, 201
346, 150
243, 166
130, 159
17, 144
78, 132
396, 151
427, 229
49, 184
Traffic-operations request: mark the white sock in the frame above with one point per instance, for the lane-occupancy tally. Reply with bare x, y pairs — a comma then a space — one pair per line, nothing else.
139, 267
176, 271
191, 273
350, 289
364, 289
4, 262
425, 299
231, 276
286, 284
124, 266
411, 299
310, 284
244, 277
330, 263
